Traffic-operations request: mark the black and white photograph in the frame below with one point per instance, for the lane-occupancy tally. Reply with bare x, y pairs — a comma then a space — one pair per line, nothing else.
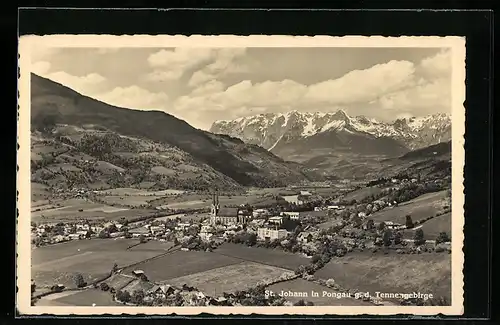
240, 174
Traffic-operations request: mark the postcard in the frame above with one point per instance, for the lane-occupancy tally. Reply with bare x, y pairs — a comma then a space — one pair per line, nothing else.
240, 175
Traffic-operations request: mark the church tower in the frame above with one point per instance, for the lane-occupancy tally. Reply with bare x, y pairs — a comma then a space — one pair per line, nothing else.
215, 204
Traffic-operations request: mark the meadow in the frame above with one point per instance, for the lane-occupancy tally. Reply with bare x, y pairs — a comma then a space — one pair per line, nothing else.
94, 259
273, 257
229, 278
419, 208
366, 271
88, 297
180, 263
432, 227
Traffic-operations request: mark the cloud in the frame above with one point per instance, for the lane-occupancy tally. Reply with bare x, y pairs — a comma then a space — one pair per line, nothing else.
364, 85
424, 98
200, 77
40, 68
392, 88
173, 64
135, 97
211, 63
213, 86
87, 84
437, 66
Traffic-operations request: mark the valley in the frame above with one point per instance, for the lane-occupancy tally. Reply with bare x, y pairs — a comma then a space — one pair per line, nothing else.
139, 208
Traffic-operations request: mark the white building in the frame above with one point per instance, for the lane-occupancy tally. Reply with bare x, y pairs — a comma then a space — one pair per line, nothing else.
258, 213
271, 234
276, 220
292, 215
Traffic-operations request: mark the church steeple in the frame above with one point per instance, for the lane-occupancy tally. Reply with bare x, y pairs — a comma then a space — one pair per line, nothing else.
215, 203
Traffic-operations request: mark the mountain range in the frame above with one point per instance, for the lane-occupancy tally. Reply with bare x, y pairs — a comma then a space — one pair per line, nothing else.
125, 146
295, 135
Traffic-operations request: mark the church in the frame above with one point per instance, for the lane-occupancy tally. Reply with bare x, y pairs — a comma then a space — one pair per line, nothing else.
225, 216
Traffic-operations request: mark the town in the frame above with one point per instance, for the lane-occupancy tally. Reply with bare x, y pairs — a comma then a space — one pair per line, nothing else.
304, 224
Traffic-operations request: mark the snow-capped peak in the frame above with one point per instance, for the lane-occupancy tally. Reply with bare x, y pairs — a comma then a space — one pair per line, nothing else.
270, 128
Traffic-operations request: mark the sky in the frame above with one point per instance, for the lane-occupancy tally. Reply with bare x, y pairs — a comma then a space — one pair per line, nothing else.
202, 85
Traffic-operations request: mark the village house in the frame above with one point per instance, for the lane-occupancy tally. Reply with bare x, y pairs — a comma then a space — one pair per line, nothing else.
394, 225
74, 236
260, 213
137, 232
271, 234
117, 234
155, 230
84, 227
206, 232
138, 273
306, 237
275, 220
292, 215
181, 226
161, 291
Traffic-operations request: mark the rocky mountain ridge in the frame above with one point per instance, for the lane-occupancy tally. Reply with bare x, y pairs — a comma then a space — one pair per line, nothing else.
268, 130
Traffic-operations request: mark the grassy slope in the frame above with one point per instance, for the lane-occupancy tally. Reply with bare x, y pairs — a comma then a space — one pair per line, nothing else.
419, 208
72, 108
425, 273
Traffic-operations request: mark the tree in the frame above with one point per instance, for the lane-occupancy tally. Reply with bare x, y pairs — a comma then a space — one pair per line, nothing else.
123, 296
104, 286
137, 297
45, 123
315, 259
370, 224
409, 222
381, 226
88, 234
387, 238
142, 239
442, 238
251, 239
419, 237
33, 287
104, 234
301, 302
79, 281
397, 238
115, 267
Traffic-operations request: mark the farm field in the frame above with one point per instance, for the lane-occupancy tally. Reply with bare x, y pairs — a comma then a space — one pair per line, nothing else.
266, 256
362, 193
128, 200
124, 191
419, 208
365, 271
197, 201
181, 263
301, 285
432, 227
54, 252
39, 192
229, 278
119, 281
94, 259
153, 245
91, 211
86, 297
